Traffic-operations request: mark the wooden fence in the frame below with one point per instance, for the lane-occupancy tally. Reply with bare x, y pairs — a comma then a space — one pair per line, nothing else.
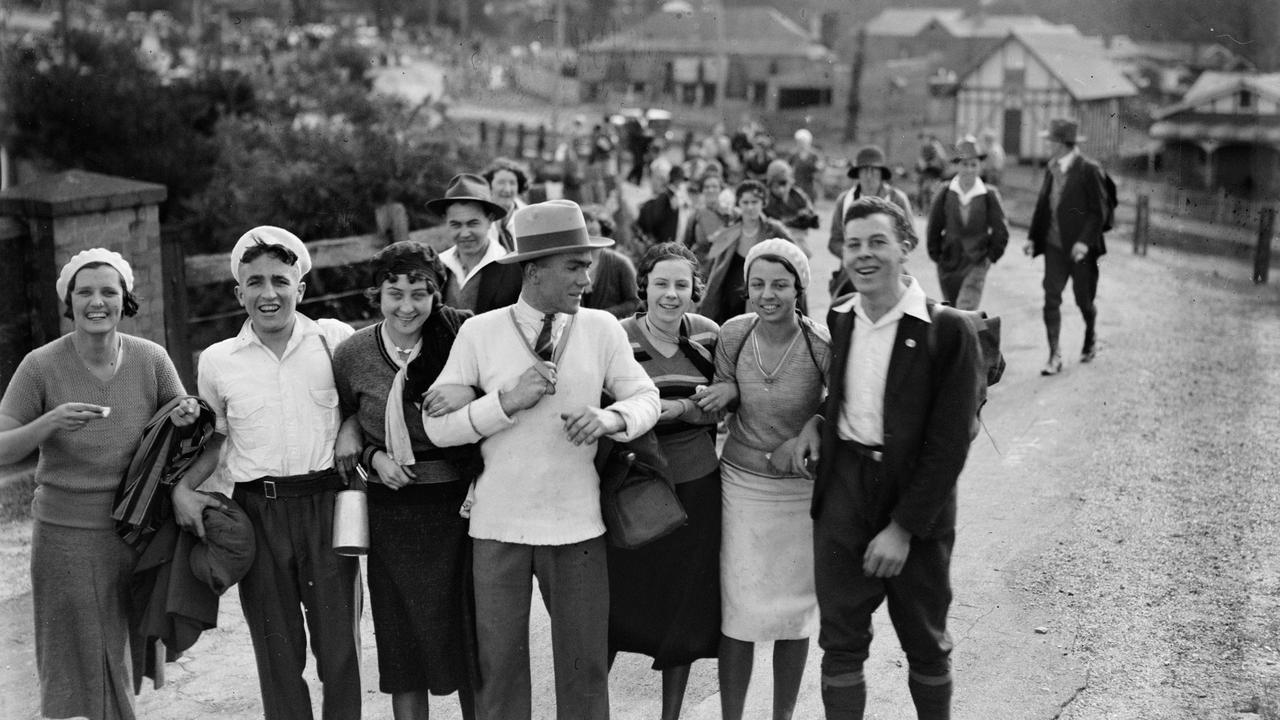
335, 288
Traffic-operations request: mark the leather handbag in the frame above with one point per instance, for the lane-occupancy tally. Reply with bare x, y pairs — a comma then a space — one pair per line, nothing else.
637, 498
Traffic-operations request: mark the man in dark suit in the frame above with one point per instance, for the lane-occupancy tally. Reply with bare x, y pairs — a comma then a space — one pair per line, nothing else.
663, 217
889, 447
1067, 229
477, 282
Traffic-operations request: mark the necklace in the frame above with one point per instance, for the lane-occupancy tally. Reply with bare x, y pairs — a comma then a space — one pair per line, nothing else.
772, 377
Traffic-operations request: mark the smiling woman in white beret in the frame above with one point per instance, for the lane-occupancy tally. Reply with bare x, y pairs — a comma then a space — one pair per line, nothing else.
58, 402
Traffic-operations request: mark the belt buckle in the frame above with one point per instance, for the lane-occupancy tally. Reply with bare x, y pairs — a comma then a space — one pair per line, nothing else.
876, 455
269, 488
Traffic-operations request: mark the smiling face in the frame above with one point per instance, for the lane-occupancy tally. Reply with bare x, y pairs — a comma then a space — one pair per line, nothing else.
669, 293
771, 290
269, 291
468, 228
556, 283
873, 255
505, 187
406, 304
97, 299
967, 170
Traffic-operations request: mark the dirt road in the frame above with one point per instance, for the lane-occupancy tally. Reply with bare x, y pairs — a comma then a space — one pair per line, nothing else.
1116, 555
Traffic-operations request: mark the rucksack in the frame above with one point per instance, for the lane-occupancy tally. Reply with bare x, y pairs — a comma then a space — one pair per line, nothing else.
1112, 199
991, 363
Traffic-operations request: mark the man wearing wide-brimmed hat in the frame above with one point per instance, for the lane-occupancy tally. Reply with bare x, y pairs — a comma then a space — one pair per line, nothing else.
1067, 229
542, 364
872, 172
477, 282
967, 230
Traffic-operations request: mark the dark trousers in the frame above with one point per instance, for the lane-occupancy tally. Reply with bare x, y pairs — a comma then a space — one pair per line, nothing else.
574, 581
1058, 268
918, 597
295, 567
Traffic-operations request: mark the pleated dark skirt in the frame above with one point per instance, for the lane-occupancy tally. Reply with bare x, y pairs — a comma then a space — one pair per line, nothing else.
417, 546
80, 590
664, 598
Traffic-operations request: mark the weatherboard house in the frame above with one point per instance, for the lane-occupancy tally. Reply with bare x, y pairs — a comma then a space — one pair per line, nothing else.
1029, 78
1225, 133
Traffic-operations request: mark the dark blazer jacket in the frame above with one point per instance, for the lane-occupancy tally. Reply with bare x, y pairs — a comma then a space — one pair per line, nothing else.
658, 220
499, 286
1080, 212
930, 400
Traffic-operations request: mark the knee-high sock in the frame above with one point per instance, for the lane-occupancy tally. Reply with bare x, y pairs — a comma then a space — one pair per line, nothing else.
932, 696
844, 697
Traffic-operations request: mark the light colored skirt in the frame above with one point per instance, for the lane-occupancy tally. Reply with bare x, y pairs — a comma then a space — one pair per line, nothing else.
766, 557
80, 590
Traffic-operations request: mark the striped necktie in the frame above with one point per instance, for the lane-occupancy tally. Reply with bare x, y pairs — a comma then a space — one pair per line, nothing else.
544, 348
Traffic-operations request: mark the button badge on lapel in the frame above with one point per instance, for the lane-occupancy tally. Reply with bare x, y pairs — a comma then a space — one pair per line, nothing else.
910, 342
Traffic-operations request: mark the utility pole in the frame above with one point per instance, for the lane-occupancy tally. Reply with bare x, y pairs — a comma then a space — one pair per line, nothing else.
855, 87
722, 62
561, 20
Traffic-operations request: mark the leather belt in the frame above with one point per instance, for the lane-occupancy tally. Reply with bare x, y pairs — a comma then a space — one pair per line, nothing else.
873, 453
294, 486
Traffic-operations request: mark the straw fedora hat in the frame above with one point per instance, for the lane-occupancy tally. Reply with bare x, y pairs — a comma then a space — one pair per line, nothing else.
467, 188
550, 228
1063, 131
873, 157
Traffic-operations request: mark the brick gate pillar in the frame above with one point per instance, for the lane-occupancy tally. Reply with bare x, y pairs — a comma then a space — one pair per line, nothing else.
77, 210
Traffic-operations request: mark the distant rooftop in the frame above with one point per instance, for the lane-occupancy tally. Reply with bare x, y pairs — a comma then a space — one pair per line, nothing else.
747, 31
909, 22
1212, 85
1078, 62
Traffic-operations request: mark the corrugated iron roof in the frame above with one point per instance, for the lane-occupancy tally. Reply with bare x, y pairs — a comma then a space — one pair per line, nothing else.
747, 31
998, 26
1079, 63
1213, 84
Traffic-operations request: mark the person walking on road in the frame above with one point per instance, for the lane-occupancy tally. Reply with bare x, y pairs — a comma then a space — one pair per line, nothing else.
967, 231
273, 392
664, 598
418, 542
889, 446
726, 283
60, 401
872, 173
1066, 228
771, 371
543, 365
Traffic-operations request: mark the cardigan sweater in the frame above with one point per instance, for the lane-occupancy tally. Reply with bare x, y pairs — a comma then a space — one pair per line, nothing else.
78, 472
537, 488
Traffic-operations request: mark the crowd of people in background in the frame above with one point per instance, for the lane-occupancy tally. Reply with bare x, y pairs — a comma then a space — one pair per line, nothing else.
476, 402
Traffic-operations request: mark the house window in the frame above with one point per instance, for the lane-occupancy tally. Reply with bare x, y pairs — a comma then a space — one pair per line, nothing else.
1014, 78
1246, 100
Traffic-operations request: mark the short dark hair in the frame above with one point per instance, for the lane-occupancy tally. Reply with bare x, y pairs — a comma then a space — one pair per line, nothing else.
259, 248
869, 205
129, 305
747, 186
415, 260
511, 166
699, 183
667, 251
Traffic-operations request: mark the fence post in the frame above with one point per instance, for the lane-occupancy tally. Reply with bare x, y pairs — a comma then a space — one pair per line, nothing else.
541, 143
484, 134
1141, 226
1262, 254
500, 139
520, 132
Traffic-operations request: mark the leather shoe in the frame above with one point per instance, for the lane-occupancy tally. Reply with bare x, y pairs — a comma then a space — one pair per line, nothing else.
1053, 367
1089, 352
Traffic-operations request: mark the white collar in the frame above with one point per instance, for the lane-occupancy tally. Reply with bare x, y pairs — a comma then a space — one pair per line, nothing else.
302, 327
979, 188
449, 258
913, 302
1065, 161
529, 314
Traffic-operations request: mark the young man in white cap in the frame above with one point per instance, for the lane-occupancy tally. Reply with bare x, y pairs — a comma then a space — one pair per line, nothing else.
1066, 228
272, 389
543, 364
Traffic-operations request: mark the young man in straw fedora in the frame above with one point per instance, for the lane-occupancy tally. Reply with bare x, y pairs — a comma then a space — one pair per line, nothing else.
1067, 229
542, 364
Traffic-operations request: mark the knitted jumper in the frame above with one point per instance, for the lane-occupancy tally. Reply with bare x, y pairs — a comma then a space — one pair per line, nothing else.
79, 471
